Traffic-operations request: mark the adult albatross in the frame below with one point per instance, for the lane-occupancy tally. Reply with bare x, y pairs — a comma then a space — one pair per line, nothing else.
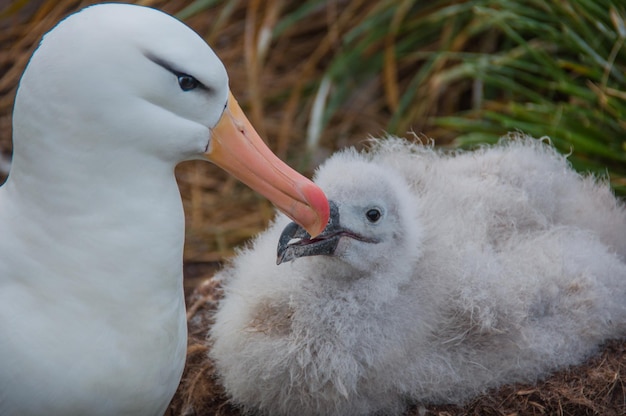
92, 315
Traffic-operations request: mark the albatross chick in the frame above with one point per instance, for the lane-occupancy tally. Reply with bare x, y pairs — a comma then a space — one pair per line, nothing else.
439, 276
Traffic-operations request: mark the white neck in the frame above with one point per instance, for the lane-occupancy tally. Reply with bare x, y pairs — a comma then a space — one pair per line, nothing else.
88, 264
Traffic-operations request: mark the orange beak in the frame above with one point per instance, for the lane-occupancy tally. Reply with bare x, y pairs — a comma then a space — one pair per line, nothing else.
237, 148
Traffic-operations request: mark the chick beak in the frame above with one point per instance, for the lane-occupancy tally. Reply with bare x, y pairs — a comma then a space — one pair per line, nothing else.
295, 242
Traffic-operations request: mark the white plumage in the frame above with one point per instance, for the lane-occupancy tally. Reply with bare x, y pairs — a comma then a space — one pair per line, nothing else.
92, 314
483, 268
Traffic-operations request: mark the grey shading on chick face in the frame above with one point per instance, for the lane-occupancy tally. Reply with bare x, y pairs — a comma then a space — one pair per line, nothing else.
484, 268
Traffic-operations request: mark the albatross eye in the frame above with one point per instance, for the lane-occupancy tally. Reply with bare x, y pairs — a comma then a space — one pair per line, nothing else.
373, 215
187, 82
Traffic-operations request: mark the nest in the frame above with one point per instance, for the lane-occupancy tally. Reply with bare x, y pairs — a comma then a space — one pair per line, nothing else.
596, 387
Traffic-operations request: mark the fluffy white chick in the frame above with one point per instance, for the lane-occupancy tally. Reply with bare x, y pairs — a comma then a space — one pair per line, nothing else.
438, 277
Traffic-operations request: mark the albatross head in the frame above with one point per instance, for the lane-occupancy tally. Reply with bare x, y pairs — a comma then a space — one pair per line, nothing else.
373, 224
121, 81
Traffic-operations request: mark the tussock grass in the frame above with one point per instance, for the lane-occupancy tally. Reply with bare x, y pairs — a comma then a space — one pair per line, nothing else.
470, 71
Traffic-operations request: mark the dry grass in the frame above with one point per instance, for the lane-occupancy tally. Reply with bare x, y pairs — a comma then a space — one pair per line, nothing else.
276, 85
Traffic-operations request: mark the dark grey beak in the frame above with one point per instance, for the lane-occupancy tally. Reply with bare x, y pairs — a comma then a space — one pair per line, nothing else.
295, 242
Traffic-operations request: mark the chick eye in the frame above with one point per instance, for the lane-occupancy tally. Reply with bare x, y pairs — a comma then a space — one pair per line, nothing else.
187, 82
373, 215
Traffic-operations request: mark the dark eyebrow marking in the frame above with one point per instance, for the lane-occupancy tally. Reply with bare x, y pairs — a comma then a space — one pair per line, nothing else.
171, 68
162, 63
